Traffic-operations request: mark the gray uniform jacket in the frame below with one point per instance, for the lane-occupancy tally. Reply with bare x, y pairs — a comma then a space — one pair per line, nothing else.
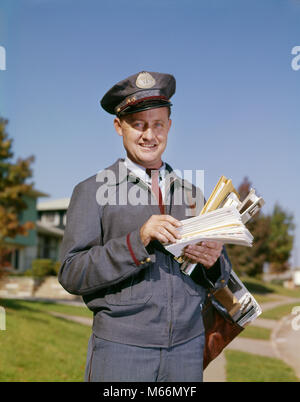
138, 295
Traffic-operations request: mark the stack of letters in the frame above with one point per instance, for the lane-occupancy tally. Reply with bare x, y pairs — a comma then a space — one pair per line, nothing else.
224, 224
223, 219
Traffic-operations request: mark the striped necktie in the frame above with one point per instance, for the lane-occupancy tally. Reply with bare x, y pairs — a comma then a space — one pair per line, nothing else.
154, 174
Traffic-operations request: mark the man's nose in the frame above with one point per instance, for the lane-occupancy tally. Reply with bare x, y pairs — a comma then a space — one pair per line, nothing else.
148, 134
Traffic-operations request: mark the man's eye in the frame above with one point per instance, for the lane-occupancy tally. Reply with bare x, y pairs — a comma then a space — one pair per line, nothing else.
138, 125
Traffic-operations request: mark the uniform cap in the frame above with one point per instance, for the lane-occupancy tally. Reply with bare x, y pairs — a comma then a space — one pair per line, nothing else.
141, 91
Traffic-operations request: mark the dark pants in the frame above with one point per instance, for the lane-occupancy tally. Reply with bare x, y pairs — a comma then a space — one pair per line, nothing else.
110, 361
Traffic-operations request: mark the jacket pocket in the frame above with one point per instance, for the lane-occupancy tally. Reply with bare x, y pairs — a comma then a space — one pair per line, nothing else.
192, 287
137, 289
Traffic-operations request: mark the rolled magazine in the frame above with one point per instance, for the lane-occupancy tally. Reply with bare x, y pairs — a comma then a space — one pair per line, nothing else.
246, 307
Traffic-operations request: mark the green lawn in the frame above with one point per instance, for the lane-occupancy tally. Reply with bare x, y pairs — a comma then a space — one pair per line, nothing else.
277, 313
246, 367
254, 332
81, 311
265, 298
258, 287
39, 347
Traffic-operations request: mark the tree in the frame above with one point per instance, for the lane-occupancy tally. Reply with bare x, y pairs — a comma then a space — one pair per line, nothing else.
281, 239
250, 260
272, 242
13, 188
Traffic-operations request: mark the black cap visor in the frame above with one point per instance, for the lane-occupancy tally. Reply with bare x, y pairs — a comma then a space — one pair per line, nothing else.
145, 105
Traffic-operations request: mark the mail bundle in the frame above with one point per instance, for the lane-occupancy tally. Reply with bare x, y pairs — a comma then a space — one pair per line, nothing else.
223, 219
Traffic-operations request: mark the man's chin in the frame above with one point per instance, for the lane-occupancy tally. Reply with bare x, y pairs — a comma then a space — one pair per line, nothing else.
149, 160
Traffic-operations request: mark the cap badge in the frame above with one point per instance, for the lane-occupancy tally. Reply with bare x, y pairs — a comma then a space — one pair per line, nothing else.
145, 80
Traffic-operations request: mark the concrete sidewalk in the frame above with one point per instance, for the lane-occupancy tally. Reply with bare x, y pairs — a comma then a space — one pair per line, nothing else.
216, 370
284, 343
75, 318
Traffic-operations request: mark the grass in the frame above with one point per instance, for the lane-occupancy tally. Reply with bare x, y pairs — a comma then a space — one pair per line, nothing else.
81, 311
277, 313
265, 298
253, 332
246, 367
258, 287
39, 347
280, 290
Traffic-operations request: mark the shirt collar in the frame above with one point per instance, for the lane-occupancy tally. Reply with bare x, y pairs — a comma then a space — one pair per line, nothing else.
119, 168
140, 171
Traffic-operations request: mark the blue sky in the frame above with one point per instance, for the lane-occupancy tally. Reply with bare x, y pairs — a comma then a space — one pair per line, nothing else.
236, 108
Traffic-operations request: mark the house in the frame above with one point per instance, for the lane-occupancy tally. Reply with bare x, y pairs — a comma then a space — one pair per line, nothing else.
23, 248
296, 277
45, 239
50, 227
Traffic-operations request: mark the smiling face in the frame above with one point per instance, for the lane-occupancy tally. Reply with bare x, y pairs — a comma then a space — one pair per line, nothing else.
145, 135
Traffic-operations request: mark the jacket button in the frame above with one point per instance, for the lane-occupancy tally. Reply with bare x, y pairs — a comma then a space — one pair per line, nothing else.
148, 259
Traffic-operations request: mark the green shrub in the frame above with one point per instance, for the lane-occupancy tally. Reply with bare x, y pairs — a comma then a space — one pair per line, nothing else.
56, 267
42, 267
278, 282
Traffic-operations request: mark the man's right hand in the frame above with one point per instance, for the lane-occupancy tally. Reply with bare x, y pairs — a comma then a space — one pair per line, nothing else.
160, 227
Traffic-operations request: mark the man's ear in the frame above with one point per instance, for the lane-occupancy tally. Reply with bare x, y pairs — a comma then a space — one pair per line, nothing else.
118, 126
170, 123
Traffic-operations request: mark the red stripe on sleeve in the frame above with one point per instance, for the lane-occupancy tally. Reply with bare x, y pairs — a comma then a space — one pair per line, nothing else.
136, 261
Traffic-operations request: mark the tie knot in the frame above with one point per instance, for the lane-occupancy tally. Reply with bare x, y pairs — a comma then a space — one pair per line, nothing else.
152, 172
154, 175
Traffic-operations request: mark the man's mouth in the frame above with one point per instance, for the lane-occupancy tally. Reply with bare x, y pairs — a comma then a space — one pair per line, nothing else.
148, 146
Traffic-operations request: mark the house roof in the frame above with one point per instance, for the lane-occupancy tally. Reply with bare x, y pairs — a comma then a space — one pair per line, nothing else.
54, 205
49, 230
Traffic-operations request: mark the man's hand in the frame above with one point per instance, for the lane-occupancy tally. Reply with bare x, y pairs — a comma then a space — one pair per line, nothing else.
160, 227
205, 253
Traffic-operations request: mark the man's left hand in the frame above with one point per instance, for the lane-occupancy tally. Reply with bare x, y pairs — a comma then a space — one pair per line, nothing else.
205, 253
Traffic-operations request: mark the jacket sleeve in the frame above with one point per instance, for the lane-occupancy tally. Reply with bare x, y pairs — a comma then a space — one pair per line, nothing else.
218, 275
87, 265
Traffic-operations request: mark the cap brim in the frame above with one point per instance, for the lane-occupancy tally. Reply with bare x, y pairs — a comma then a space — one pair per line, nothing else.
144, 106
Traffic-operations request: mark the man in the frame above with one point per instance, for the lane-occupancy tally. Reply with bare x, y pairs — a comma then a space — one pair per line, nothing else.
147, 314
